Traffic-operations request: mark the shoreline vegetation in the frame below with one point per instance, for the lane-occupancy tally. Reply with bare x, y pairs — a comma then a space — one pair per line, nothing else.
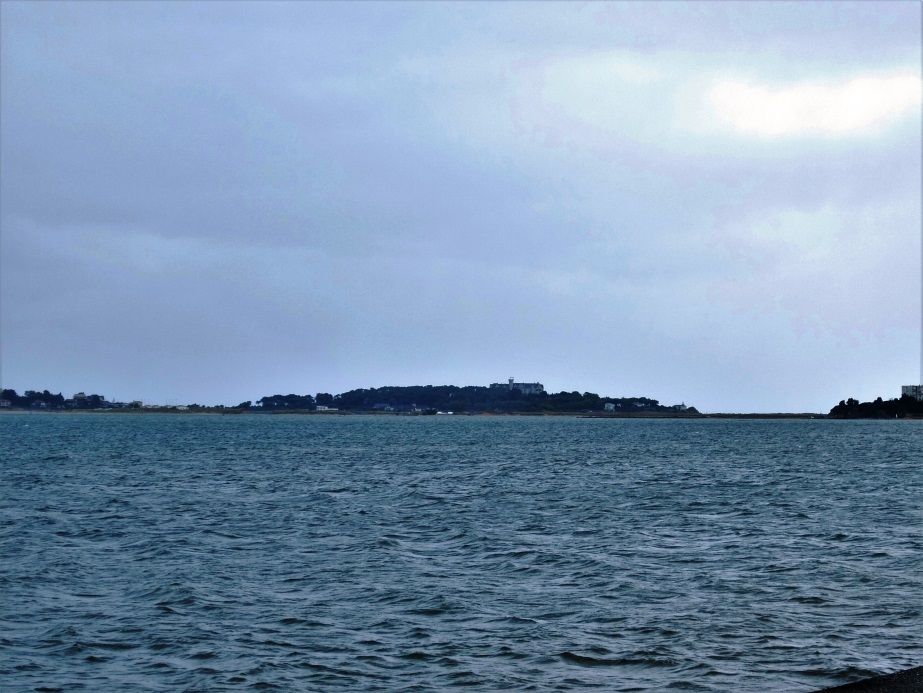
231, 411
449, 399
906, 407
421, 400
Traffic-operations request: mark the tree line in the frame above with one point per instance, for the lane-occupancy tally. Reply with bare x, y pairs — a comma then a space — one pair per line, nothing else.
419, 398
905, 407
34, 398
472, 398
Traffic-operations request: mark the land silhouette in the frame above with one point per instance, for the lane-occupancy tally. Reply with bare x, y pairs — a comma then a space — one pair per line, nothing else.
472, 399
419, 399
903, 408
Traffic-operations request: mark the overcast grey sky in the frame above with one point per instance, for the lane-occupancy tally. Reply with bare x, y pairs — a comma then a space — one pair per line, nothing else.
716, 203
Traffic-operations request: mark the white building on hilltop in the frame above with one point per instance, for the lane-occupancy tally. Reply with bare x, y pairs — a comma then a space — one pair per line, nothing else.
915, 391
524, 388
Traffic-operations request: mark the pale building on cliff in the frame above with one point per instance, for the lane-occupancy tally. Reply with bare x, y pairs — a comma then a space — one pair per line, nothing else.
524, 388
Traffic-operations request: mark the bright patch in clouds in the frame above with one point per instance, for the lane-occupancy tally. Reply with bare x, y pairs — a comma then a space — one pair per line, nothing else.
817, 108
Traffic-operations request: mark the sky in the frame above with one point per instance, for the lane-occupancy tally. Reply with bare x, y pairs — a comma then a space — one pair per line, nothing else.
714, 203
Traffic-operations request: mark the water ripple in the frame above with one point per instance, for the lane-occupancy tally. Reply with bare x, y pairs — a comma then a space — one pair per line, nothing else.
382, 553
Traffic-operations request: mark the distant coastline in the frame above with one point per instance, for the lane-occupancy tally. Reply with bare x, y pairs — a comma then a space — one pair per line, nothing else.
228, 411
498, 399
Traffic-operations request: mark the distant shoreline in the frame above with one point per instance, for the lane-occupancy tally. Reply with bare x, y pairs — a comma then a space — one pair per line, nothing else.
309, 412
717, 415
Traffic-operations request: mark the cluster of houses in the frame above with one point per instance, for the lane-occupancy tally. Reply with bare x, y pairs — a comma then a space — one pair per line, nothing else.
393, 408
33, 399
616, 406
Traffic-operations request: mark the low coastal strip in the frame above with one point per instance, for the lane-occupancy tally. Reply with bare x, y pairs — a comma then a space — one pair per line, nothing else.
510, 398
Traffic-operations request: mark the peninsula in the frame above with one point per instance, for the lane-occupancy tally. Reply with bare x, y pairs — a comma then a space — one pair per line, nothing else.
509, 397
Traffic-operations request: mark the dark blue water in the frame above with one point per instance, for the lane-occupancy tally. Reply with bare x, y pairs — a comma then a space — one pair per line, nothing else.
158, 552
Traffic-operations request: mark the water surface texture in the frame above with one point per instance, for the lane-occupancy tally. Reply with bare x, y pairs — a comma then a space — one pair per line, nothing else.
161, 552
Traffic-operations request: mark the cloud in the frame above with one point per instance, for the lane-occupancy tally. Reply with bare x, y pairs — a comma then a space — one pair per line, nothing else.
357, 196
850, 107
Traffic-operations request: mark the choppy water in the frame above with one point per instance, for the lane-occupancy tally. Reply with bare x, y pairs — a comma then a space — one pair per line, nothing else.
158, 552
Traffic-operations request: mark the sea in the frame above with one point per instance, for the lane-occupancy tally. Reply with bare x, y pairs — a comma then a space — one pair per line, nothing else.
159, 552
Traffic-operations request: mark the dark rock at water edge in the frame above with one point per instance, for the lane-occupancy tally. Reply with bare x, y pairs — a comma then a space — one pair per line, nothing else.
907, 681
